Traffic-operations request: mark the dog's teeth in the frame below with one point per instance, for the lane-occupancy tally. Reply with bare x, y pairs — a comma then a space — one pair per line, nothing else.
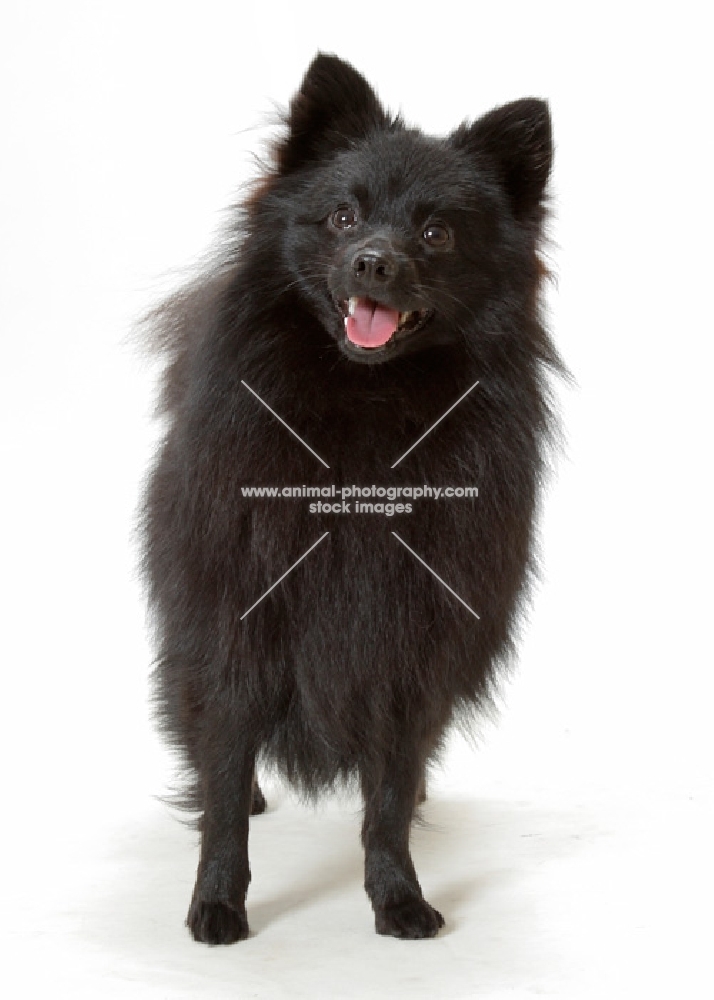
352, 305
403, 317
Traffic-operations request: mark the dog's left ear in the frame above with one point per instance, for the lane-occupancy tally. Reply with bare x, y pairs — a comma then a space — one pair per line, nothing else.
334, 106
516, 139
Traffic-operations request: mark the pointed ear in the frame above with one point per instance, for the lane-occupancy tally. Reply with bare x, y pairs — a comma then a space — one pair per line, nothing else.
516, 138
334, 106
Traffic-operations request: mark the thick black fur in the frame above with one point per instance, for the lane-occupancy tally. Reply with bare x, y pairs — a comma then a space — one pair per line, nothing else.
355, 664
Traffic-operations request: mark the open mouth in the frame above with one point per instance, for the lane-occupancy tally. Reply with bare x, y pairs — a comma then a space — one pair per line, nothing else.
370, 325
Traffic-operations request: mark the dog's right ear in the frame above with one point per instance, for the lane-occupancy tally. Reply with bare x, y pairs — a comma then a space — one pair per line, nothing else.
334, 106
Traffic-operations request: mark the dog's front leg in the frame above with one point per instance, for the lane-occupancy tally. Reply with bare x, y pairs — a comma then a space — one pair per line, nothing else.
217, 911
390, 878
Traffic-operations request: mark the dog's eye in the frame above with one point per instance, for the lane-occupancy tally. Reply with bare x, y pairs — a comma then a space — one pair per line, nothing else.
344, 217
436, 235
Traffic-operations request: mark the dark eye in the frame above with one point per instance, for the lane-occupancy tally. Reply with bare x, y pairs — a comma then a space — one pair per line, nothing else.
436, 235
344, 217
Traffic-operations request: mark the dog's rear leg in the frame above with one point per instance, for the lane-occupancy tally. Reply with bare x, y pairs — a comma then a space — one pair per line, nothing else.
390, 879
257, 799
421, 789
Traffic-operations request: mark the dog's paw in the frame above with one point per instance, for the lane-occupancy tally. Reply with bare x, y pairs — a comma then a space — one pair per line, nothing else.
216, 923
411, 918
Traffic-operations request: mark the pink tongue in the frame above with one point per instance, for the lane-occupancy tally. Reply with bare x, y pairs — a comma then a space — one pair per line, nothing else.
371, 325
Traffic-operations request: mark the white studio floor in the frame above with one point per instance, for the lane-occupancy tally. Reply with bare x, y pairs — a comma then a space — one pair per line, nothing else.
597, 897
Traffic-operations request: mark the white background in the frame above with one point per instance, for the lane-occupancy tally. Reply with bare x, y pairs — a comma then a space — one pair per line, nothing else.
570, 850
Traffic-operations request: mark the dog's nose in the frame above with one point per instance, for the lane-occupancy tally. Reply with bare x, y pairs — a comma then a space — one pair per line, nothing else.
372, 267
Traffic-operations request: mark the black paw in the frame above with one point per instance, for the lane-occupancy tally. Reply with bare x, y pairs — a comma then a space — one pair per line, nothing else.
412, 918
216, 923
257, 801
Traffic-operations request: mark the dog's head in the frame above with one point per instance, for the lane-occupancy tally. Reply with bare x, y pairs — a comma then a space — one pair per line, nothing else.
397, 240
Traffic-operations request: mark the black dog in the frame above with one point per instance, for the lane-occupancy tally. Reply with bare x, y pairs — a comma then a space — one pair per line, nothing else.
372, 279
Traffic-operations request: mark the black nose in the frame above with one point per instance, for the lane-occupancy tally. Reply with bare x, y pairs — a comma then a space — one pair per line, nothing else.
372, 267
